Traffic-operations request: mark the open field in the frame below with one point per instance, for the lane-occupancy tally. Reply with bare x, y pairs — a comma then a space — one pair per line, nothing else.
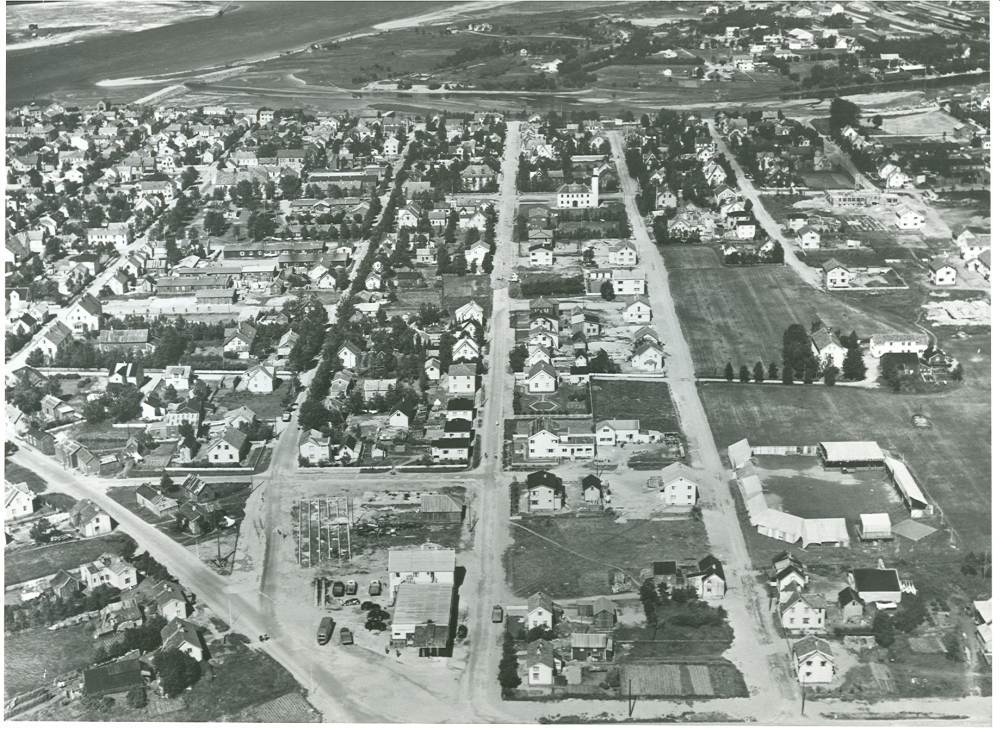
650, 402
950, 460
827, 179
587, 548
932, 123
681, 679
738, 314
36, 562
33, 655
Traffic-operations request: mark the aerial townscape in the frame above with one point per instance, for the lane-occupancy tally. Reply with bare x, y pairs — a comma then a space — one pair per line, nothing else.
498, 362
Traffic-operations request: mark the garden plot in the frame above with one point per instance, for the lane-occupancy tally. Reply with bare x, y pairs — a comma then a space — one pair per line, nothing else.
321, 528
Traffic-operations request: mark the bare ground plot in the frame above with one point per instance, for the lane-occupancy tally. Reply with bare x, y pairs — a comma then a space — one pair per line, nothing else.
30, 657
681, 679
951, 460
572, 556
738, 315
649, 401
457, 290
37, 562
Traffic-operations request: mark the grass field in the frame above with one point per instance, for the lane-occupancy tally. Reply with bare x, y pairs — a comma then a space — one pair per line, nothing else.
265, 405
16, 473
586, 549
649, 401
36, 562
36, 653
807, 490
738, 314
951, 460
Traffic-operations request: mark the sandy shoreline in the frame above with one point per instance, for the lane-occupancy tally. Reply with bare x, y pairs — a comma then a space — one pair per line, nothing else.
434, 16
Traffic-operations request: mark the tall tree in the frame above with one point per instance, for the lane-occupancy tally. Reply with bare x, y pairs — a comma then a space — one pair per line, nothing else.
758, 372
728, 373
508, 675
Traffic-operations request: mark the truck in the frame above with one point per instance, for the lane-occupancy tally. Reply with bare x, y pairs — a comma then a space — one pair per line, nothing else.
375, 588
497, 614
352, 588
338, 588
346, 637
325, 630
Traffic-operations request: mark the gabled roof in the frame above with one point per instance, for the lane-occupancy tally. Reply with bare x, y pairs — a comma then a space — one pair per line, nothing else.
543, 478
678, 470
810, 599
540, 600
875, 579
542, 367
811, 645
848, 596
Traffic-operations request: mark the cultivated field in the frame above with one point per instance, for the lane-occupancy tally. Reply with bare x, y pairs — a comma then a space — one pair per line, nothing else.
950, 460
650, 402
738, 314
572, 556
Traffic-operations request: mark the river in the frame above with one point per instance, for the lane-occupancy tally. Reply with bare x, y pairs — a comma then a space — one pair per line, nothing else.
247, 30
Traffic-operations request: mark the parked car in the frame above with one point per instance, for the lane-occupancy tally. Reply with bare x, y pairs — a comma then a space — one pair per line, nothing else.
338, 588
325, 630
351, 602
462, 631
497, 614
375, 588
286, 416
346, 637
352, 588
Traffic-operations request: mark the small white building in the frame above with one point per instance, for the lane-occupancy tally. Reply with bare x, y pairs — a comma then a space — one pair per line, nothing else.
680, 485
908, 219
421, 566
803, 613
942, 274
541, 378
637, 311
813, 661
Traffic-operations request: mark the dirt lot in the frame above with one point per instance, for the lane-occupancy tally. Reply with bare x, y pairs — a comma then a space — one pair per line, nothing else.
738, 315
572, 556
932, 123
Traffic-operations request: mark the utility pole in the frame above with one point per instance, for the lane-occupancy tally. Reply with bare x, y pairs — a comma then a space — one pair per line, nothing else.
632, 701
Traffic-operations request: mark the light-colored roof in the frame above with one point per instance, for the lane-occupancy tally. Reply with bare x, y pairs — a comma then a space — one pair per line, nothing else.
421, 560
852, 451
824, 530
739, 453
418, 603
589, 641
678, 470
904, 480
985, 610
877, 522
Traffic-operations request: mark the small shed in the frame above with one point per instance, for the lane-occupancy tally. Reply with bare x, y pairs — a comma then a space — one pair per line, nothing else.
875, 526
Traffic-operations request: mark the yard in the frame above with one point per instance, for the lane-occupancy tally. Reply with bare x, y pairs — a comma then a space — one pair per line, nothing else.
572, 556
668, 639
458, 290
950, 460
739, 315
16, 473
568, 399
266, 405
36, 656
37, 562
649, 401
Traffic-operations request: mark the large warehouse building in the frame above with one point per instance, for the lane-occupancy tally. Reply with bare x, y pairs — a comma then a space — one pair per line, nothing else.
851, 455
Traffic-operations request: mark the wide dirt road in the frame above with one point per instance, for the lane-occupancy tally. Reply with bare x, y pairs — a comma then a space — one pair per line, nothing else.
755, 639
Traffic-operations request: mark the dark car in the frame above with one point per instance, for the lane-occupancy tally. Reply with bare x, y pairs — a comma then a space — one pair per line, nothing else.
325, 630
351, 602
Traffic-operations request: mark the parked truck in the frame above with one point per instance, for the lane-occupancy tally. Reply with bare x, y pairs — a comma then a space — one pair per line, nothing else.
325, 630
352, 588
375, 588
346, 637
338, 588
